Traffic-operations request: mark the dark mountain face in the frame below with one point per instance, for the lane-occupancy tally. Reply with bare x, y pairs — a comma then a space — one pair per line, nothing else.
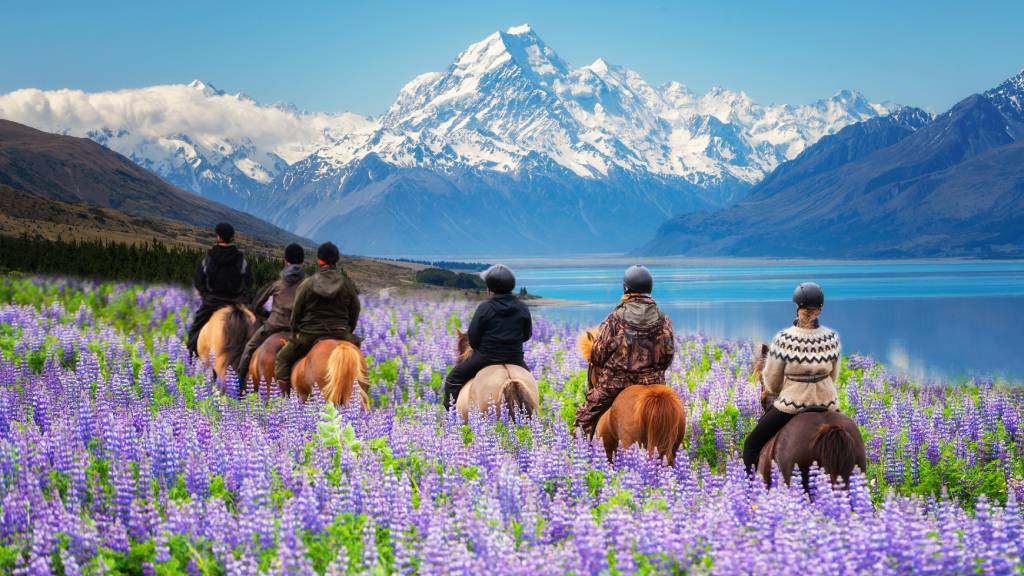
1008, 98
847, 145
374, 207
898, 186
78, 170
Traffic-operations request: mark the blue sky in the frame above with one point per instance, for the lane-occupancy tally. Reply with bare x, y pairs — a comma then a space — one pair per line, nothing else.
355, 56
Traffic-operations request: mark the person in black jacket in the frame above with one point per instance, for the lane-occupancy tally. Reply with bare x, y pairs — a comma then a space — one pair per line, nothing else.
223, 278
497, 332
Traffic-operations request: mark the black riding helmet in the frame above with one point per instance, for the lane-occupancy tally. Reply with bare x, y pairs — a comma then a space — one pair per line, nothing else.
499, 279
809, 295
637, 279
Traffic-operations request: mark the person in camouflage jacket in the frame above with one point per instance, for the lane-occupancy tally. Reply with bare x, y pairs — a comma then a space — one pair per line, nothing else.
634, 345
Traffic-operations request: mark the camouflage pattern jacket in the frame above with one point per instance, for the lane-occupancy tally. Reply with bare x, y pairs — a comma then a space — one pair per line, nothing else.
634, 345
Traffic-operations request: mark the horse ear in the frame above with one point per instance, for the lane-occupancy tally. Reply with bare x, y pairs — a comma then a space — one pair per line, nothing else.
764, 349
590, 335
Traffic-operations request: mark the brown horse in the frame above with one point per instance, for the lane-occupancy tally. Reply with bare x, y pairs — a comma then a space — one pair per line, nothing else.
335, 366
505, 385
224, 338
830, 439
651, 415
261, 367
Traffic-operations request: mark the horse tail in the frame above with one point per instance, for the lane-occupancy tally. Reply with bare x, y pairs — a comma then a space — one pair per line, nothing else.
514, 396
237, 331
344, 367
585, 343
836, 450
661, 417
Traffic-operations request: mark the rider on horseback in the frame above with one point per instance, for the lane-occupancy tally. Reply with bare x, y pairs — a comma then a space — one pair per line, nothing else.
326, 306
801, 368
497, 332
634, 345
281, 293
222, 279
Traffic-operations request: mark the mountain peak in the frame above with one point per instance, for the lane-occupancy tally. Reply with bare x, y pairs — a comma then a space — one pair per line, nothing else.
520, 46
205, 87
847, 95
599, 66
1009, 97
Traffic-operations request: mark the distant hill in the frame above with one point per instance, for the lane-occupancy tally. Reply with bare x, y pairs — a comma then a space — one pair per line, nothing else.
55, 187
77, 171
897, 186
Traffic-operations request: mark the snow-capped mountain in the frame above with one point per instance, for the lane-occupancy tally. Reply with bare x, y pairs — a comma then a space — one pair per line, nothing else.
907, 185
509, 136
465, 160
219, 145
510, 96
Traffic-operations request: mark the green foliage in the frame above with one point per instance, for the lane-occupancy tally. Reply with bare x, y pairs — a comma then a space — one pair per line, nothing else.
442, 277
152, 261
345, 533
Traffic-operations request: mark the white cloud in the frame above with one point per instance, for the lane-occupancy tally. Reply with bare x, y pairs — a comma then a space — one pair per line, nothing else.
213, 120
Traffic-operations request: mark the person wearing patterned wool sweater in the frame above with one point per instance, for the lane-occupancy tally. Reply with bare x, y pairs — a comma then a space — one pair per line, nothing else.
800, 370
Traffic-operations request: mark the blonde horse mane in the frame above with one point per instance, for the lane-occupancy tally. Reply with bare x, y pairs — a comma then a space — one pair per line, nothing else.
344, 367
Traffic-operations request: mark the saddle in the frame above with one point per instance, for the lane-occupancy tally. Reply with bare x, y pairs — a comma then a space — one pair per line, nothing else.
765, 459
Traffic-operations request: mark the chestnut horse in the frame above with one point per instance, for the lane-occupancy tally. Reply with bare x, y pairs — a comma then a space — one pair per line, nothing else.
651, 415
336, 366
261, 367
224, 338
830, 439
505, 385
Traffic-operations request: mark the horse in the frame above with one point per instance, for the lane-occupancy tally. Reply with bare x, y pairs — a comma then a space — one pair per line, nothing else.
224, 337
261, 366
335, 366
505, 385
830, 439
650, 415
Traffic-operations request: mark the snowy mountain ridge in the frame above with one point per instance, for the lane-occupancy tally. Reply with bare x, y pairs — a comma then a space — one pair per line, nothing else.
508, 129
510, 95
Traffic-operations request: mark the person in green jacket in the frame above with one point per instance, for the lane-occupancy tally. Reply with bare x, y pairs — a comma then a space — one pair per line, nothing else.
326, 306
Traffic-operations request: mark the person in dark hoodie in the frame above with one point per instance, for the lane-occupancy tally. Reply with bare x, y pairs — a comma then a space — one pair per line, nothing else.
326, 306
222, 279
634, 345
281, 295
497, 332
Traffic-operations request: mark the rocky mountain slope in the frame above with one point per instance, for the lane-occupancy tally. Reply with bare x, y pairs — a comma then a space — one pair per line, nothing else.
77, 171
898, 186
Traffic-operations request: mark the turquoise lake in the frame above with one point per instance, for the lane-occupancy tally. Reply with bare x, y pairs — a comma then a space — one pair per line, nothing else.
928, 319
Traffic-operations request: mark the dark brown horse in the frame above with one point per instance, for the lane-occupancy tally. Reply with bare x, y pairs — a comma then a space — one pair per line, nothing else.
830, 439
505, 385
652, 416
261, 367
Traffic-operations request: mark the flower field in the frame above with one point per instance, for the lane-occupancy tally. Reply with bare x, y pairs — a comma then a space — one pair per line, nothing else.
120, 456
